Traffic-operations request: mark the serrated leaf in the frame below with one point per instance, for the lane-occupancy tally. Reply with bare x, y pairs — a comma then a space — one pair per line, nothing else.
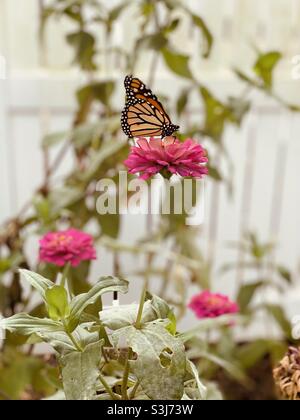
80, 372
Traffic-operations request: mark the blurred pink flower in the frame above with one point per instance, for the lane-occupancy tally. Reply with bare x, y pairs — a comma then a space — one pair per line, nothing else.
168, 156
69, 246
212, 305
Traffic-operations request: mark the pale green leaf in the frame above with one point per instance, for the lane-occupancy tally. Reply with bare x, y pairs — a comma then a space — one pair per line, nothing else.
81, 302
40, 283
57, 303
177, 63
80, 372
25, 324
161, 362
191, 368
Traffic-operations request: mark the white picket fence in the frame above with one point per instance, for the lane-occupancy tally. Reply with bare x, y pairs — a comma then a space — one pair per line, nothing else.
37, 97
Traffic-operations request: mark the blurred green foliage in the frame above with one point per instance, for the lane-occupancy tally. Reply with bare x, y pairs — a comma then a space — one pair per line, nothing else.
99, 148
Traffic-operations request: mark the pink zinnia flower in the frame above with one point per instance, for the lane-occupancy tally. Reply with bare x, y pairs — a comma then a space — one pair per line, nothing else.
212, 305
168, 156
69, 246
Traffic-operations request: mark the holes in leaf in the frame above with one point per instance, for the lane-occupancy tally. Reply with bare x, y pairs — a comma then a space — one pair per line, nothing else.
165, 357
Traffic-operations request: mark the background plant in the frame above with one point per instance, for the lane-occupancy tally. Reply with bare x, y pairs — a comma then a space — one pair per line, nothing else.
100, 148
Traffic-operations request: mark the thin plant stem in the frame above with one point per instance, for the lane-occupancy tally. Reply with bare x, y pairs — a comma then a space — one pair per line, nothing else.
107, 388
126, 376
72, 338
134, 389
141, 307
65, 274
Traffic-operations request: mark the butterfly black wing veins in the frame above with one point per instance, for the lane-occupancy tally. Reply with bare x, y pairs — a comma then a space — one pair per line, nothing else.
143, 114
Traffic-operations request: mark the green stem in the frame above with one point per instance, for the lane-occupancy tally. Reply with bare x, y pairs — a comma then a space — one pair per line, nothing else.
65, 274
72, 338
126, 376
107, 388
141, 307
135, 388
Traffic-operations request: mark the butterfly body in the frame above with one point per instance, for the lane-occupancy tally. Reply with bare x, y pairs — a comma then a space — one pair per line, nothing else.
144, 115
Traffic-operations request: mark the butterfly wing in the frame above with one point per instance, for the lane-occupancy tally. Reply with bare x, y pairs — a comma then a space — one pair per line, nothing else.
144, 115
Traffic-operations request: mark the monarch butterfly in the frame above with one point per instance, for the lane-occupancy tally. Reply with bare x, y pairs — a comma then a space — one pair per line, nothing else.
143, 114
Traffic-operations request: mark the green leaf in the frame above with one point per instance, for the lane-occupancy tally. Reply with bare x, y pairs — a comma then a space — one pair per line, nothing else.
154, 42
191, 368
209, 324
85, 51
110, 224
20, 373
265, 65
25, 324
161, 362
280, 317
249, 354
207, 35
42, 208
244, 78
182, 101
246, 294
177, 63
217, 114
116, 11
214, 173
40, 283
122, 316
234, 370
107, 150
81, 302
125, 315
57, 302
80, 372
285, 274
100, 91
52, 139
62, 197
